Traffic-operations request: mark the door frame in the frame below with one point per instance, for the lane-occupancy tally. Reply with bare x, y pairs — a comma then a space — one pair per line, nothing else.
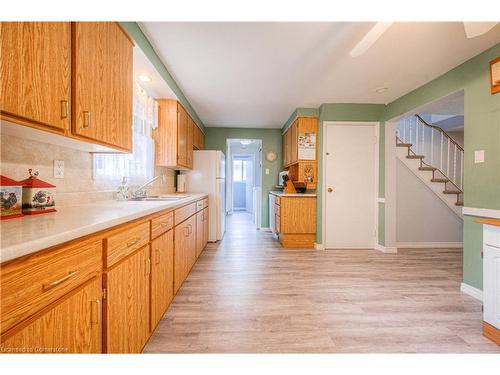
326, 125
247, 157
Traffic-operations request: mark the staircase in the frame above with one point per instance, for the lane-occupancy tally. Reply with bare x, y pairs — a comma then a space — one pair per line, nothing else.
434, 157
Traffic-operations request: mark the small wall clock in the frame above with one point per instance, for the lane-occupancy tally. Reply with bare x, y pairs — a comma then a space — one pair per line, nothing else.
271, 156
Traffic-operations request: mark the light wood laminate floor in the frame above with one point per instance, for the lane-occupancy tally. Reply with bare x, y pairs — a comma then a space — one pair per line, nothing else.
247, 294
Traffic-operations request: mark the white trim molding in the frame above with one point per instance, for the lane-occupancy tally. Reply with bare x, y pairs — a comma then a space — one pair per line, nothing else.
319, 246
386, 250
484, 212
471, 291
429, 245
265, 229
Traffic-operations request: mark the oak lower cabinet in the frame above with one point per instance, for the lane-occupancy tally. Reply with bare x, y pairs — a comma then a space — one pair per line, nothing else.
127, 303
296, 221
35, 74
162, 275
185, 250
73, 325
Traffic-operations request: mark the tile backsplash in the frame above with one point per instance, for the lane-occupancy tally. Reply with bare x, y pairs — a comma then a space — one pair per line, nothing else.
19, 154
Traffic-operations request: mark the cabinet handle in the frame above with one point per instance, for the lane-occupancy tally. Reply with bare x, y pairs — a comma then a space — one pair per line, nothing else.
87, 119
158, 254
163, 224
53, 284
98, 320
64, 109
148, 266
186, 233
190, 228
133, 242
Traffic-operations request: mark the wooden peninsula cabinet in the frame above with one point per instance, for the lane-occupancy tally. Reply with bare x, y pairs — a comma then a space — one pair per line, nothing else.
105, 292
295, 219
73, 79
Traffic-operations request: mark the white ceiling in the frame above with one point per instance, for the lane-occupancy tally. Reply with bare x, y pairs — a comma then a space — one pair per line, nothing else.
256, 74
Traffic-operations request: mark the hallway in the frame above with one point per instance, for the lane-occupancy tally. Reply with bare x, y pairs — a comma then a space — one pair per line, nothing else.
248, 295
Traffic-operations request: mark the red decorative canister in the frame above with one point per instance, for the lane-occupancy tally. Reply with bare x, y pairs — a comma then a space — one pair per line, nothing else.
11, 196
38, 196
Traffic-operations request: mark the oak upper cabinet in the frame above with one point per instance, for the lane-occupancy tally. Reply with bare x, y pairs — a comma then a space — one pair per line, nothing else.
198, 138
174, 136
73, 325
184, 250
162, 275
127, 303
102, 84
35, 74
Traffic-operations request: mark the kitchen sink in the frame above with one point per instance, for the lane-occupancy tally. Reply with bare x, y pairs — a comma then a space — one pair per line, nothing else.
166, 198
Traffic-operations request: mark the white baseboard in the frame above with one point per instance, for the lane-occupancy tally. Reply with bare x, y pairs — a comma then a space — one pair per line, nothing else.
471, 291
319, 246
430, 245
387, 250
484, 212
264, 229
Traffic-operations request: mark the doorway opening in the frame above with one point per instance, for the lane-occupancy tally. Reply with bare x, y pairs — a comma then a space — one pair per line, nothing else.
244, 180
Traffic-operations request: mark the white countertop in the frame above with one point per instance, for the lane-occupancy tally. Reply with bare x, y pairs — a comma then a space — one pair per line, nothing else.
26, 235
282, 194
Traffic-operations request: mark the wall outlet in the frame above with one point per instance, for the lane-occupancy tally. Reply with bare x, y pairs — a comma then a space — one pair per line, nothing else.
58, 168
267, 170
479, 156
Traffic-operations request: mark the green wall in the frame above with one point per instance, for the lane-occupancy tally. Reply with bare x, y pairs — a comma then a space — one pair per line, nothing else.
339, 112
482, 132
215, 139
140, 39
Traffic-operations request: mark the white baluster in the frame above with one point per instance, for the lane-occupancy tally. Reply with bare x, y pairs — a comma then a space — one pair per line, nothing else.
448, 158
432, 146
455, 164
441, 156
462, 170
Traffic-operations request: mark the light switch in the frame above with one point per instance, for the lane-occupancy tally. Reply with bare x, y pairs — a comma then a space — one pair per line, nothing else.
479, 156
267, 170
58, 168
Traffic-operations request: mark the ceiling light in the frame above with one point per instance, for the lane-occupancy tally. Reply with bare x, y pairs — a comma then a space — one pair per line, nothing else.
380, 90
245, 142
370, 38
473, 29
145, 78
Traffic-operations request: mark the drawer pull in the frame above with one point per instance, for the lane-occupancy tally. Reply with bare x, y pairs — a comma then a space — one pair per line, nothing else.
158, 259
53, 284
98, 308
87, 119
64, 109
133, 242
163, 224
186, 231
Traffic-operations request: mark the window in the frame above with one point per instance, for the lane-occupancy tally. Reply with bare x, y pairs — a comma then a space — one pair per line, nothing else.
138, 167
239, 170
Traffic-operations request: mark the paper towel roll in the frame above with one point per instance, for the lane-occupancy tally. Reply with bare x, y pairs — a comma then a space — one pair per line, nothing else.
181, 183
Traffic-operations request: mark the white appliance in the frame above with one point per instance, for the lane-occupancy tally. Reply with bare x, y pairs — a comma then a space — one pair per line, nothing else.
181, 183
209, 176
272, 213
280, 177
491, 275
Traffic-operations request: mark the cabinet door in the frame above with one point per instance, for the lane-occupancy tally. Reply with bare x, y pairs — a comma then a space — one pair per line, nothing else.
102, 83
35, 72
180, 243
127, 304
74, 325
200, 234
293, 143
182, 136
205, 227
491, 285
162, 275
190, 141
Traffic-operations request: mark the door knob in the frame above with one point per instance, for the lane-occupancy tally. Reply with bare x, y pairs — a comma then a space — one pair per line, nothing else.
330, 190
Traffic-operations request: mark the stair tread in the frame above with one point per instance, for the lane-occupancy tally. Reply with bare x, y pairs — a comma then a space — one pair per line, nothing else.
415, 156
404, 144
459, 203
439, 180
427, 168
452, 192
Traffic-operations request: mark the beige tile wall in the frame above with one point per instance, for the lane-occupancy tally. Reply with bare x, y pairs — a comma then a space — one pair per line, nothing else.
18, 155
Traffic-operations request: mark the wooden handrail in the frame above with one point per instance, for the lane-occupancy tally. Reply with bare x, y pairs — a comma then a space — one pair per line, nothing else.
441, 130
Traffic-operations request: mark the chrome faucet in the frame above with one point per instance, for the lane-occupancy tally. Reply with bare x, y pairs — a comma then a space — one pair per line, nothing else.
141, 190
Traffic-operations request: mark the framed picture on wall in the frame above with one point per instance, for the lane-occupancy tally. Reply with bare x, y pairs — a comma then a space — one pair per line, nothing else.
495, 75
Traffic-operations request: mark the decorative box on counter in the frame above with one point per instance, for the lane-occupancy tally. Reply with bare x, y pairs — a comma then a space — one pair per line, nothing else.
11, 193
38, 196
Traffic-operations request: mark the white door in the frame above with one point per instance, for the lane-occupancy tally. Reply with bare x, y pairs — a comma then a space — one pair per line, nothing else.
350, 191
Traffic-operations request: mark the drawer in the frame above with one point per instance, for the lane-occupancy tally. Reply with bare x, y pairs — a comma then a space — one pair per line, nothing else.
183, 213
278, 200
125, 242
199, 205
277, 210
161, 224
205, 203
30, 284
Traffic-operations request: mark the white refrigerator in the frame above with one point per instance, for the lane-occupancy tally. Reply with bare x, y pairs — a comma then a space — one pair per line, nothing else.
209, 176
